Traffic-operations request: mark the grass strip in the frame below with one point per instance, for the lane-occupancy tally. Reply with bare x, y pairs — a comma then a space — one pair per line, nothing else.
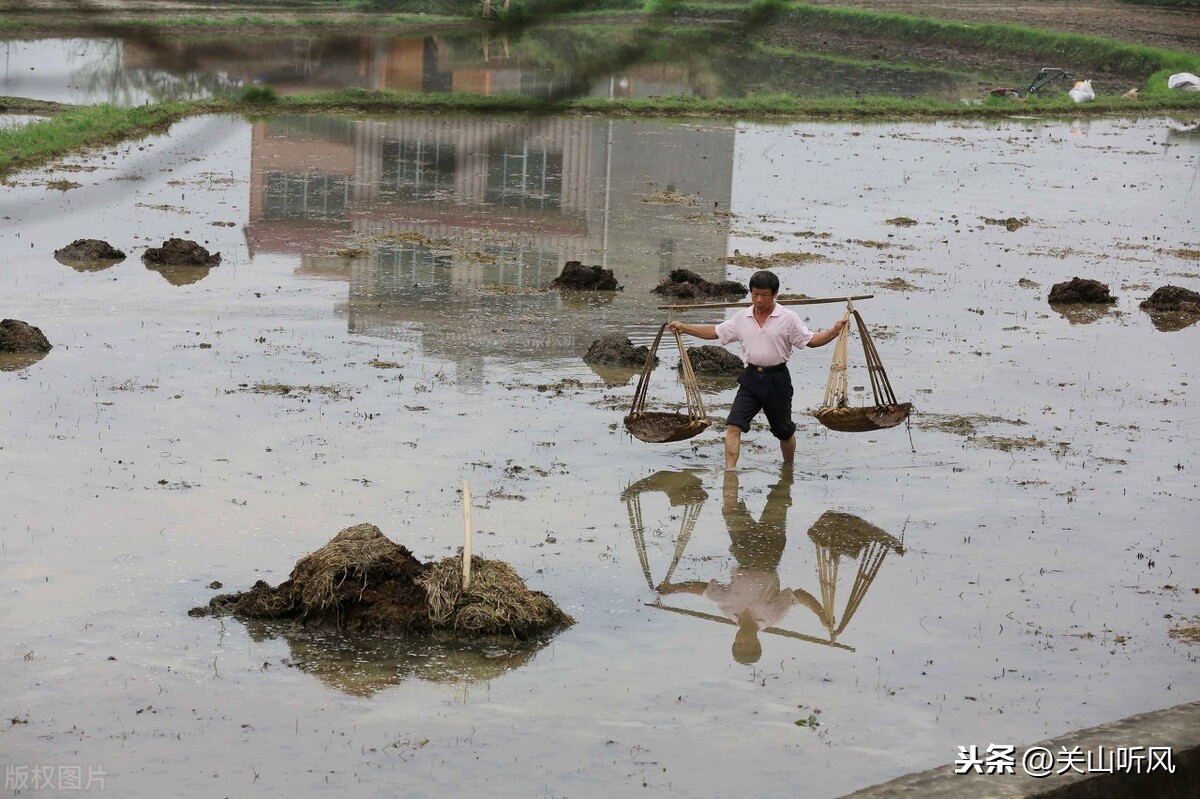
765, 106
72, 129
76, 128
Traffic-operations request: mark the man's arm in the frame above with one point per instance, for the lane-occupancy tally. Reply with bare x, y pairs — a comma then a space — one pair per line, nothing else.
699, 331
809, 601
826, 336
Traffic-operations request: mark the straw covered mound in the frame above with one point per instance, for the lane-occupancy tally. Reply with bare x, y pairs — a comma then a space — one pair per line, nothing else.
361, 580
496, 603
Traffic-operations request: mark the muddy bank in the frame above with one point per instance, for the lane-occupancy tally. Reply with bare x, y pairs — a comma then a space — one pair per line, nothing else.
1110, 19
363, 581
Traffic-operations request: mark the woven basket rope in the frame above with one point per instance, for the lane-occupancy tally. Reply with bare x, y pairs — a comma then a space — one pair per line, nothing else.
661, 427
837, 535
835, 411
681, 488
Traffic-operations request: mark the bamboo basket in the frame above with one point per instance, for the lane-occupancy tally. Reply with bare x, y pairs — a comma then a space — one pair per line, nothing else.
662, 427
835, 412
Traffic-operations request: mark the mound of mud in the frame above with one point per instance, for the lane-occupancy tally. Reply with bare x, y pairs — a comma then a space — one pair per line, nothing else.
1172, 308
1080, 290
713, 361
363, 581
180, 252
614, 349
1172, 298
21, 337
685, 284
89, 251
577, 277
360, 580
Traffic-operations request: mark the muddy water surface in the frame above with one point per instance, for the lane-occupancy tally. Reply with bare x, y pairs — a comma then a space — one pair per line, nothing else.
378, 331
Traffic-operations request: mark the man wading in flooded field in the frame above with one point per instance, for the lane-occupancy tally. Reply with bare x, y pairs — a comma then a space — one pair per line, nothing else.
768, 333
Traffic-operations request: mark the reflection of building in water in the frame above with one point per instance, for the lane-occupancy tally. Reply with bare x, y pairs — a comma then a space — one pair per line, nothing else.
481, 63
474, 217
289, 65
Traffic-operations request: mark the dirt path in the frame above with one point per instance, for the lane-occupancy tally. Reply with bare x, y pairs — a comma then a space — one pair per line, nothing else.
1178, 29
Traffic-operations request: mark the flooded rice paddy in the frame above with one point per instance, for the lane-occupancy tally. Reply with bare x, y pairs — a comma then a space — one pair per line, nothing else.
378, 330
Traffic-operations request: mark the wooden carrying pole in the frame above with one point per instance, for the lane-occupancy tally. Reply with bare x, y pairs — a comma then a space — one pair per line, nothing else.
804, 301
466, 557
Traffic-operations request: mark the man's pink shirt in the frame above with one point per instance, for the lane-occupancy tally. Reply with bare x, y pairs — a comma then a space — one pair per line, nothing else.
770, 344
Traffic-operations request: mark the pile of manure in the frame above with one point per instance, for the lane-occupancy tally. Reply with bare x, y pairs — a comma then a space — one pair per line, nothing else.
21, 337
577, 277
363, 581
1172, 298
685, 284
86, 255
613, 349
180, 252
713, 361
1172, 308
1080, 290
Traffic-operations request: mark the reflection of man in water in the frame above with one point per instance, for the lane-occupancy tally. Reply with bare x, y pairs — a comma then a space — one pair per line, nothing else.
753, 598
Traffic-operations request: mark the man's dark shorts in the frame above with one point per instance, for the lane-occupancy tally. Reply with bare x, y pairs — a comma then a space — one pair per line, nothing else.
770, 392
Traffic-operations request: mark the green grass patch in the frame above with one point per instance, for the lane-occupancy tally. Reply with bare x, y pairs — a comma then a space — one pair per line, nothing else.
258, 95
765, 106
78, 128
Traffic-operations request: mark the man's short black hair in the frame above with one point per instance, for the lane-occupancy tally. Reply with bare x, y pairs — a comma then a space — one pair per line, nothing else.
763, 279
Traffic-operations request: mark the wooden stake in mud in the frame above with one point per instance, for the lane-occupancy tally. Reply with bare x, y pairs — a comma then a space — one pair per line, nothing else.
466, 556
798, 301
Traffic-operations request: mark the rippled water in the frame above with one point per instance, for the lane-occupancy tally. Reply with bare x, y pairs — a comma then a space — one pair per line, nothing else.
1008, 569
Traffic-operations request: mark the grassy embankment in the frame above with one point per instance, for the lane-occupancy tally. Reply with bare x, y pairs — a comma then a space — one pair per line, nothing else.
74, 128
1073, 51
